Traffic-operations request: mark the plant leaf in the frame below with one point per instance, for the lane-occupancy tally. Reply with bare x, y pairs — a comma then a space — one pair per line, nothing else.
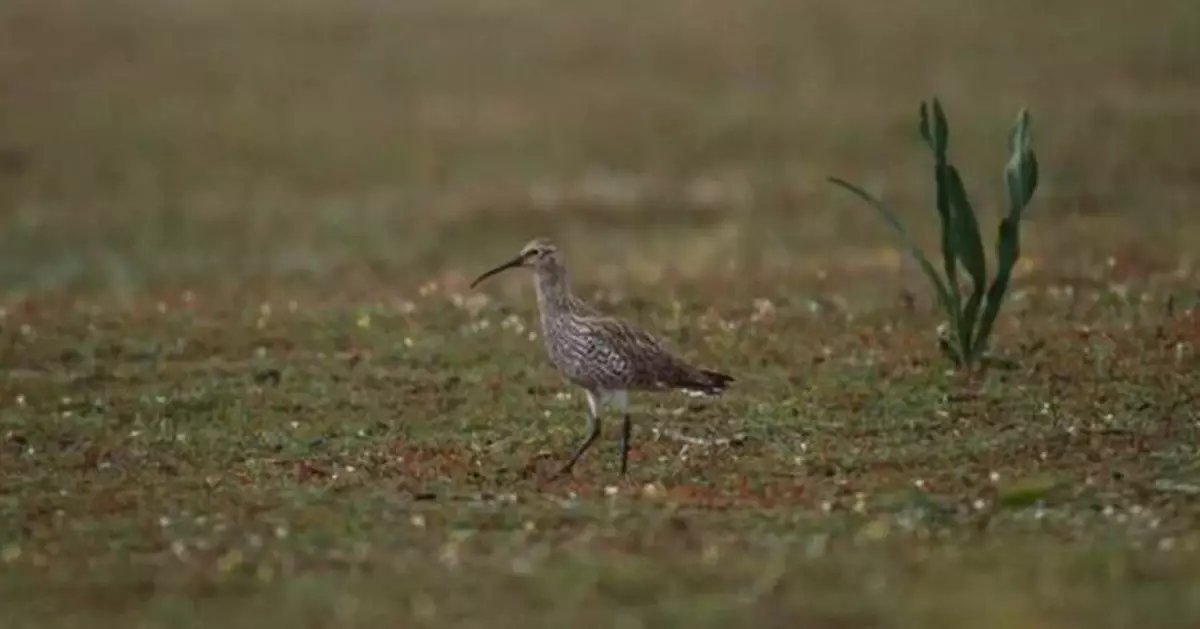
941, 131
1021, 172
926, 133
939, 286
1019, 134
1008, 250
949, 234
1021, 176
969, 248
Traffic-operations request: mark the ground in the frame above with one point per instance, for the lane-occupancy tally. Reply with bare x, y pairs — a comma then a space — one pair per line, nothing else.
245, 381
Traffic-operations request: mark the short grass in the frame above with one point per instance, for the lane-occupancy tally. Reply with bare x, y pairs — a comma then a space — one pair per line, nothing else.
244, 382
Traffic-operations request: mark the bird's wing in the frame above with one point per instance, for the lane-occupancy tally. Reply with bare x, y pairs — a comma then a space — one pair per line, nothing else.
642, 358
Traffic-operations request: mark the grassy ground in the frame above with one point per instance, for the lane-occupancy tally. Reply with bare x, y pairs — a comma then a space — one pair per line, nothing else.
244, 380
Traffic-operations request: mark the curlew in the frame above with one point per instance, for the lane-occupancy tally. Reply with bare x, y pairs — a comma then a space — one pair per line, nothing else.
606, 356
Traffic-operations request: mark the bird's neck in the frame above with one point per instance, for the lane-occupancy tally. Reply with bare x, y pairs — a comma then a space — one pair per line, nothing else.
553, 293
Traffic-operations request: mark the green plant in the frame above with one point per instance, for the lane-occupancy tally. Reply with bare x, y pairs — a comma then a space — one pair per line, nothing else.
961, 242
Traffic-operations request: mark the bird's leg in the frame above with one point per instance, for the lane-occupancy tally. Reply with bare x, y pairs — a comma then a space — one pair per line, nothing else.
626, 429
593, 432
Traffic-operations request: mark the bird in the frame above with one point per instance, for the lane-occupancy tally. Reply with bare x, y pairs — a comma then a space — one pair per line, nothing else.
607, 356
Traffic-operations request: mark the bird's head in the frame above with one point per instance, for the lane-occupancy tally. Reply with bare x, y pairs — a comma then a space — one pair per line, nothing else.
537, 254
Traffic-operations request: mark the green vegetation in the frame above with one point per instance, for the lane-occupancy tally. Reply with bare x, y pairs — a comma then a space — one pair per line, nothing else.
243, 382
962, 242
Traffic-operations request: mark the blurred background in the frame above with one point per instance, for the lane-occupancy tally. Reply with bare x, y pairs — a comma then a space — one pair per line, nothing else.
154, 145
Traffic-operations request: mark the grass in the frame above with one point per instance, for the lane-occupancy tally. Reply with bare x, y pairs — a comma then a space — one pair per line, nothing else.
244, 381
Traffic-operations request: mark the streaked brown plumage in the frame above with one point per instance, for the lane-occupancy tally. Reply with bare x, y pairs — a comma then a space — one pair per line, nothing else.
605, 355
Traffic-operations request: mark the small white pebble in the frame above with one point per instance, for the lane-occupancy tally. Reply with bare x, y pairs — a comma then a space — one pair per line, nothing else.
994, 476
611, 490
164, 521
980, 504
418, 521
281, 532
919, 483
20, 400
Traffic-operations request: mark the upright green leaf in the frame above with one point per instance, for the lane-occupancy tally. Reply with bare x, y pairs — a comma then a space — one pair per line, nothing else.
969, 248
925, 129
1021, 178
939, 141
1021, 172
941, 131
1008, 250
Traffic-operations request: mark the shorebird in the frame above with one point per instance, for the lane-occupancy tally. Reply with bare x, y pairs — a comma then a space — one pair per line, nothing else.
606, 356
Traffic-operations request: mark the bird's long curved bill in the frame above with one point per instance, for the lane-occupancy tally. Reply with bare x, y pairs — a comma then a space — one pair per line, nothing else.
515, 262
